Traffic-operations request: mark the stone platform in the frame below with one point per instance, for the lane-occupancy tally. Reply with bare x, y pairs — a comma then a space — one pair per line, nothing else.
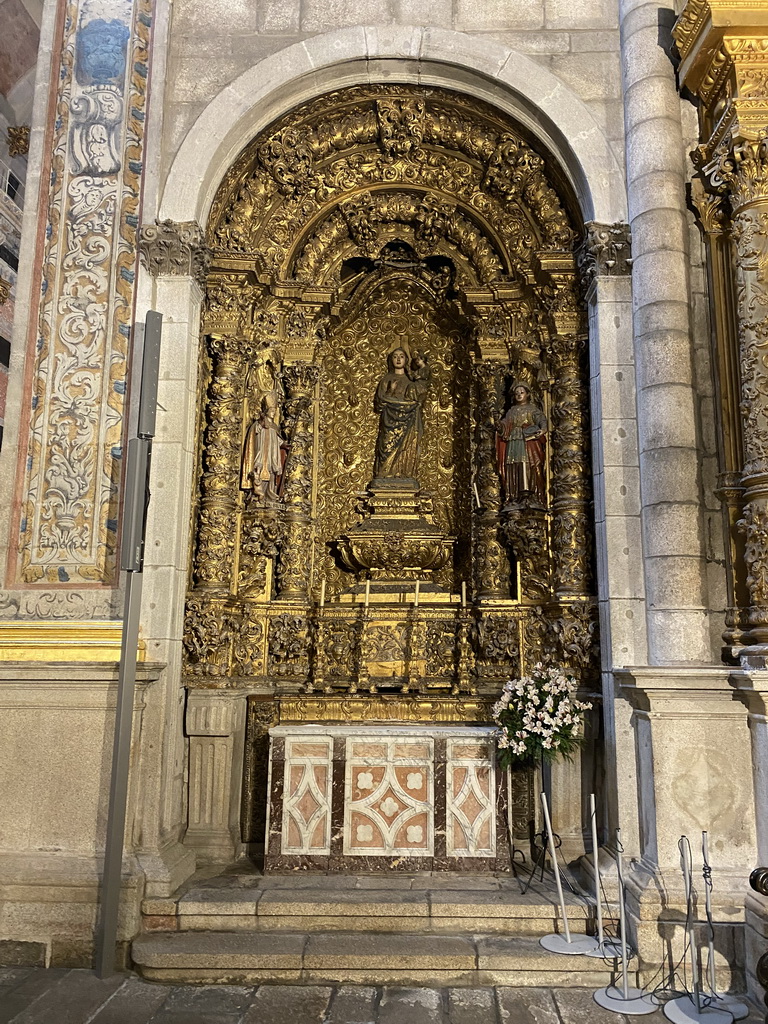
420, 929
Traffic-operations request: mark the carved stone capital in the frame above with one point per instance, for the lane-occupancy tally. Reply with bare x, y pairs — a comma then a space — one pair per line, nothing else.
171, 248
18, 140
605, 252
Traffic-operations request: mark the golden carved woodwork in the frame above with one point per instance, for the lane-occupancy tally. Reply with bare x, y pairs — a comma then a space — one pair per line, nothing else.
724, 51
372, 218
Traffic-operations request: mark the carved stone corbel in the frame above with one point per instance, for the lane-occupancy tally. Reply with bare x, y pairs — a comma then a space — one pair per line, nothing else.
605, 252
171, 248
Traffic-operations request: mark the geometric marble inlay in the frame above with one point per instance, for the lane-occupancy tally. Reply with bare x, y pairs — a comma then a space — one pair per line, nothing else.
307, 796
470, 798
388, 799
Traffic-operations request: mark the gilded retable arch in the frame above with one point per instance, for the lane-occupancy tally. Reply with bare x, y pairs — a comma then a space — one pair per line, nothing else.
480, 67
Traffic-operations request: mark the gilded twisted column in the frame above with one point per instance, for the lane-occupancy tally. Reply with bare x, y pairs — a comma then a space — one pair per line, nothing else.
295, 557
490, 563
216, 533
571, 525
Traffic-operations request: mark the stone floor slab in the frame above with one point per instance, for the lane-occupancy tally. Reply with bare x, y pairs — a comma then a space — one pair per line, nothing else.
29, 990
577, 1006
411, 1006
526, 1006
353, 1004
134, 1003
73, 1000
471, 1006
295, 1004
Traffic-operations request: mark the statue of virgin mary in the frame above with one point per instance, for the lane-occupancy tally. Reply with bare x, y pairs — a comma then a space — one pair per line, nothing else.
398, 401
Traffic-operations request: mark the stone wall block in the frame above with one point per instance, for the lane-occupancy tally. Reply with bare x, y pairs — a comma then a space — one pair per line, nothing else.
665, 417
660, 229
481, 52
678, 586
589, 41
659, 272
623, 536
622, 490
669, 474
586, 14
619, 441
278, 15
492, 15
664, 357
593, 76
321, 15
671, 528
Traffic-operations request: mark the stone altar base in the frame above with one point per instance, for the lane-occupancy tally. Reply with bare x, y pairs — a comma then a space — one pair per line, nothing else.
421, 928
385, 798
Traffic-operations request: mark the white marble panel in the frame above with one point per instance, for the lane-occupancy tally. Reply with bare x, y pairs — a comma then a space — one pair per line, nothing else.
307, 795
470, 798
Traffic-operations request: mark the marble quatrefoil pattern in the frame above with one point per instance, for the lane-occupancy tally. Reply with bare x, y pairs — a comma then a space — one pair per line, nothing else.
389, 797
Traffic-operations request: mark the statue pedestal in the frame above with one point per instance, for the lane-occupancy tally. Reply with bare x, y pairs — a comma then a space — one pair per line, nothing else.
396, 543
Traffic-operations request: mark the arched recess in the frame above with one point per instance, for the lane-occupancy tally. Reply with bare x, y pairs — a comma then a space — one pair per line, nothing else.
475, 65
369, 215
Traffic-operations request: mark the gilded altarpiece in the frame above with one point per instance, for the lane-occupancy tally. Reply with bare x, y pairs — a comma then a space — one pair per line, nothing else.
373, 220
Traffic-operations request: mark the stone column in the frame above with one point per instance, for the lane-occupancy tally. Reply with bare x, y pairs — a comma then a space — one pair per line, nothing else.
214, 724
295, 564
491, 567
673, 561
81, 310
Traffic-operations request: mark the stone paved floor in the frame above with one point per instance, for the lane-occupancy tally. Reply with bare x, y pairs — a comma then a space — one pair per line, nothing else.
59, 996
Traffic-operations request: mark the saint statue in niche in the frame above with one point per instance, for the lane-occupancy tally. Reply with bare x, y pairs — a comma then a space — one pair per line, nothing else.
264, 453
521, 449
398, 401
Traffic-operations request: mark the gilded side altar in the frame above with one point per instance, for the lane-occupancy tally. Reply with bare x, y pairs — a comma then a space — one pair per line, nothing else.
385, 263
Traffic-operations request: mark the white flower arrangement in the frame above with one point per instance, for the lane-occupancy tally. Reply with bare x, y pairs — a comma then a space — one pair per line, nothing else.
537, 716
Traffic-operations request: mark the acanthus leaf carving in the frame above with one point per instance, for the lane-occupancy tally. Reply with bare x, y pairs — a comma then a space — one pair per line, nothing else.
172, 248
605, 251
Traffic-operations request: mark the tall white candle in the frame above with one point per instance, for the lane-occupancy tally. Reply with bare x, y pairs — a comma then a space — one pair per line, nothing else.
477, 495
416, 596
367, 592
463, 593
322, 595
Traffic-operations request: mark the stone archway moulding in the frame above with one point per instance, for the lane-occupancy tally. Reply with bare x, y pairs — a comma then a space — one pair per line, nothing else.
405, 54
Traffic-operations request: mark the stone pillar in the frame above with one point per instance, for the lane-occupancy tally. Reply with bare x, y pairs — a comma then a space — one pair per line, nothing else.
605, 265
70, 453
295, 563
214, 724
673, 561
491, 567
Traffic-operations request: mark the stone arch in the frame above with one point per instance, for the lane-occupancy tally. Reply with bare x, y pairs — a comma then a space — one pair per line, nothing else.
529, 93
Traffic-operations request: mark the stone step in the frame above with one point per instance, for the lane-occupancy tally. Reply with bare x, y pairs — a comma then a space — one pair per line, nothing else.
360, 958
324, 908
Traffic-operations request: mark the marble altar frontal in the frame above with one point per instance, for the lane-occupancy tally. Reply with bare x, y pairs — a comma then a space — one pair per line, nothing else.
385, 798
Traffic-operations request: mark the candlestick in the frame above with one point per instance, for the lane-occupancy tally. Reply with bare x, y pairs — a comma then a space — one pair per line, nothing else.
416, 596
463, 593
367, 592
322, 595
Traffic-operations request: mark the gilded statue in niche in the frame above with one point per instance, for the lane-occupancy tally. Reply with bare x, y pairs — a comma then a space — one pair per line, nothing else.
399, 400
264, 453
266, 375
521, 449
